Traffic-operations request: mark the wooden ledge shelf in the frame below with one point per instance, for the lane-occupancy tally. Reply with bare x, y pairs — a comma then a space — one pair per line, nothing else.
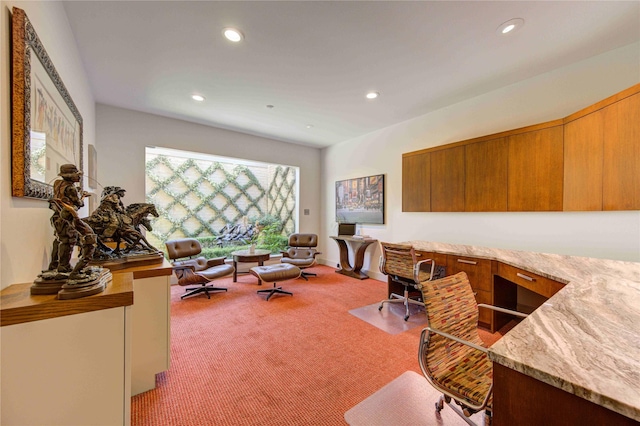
18, 306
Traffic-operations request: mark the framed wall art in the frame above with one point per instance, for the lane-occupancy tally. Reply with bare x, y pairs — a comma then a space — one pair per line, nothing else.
92, 155
360, 200
46, 125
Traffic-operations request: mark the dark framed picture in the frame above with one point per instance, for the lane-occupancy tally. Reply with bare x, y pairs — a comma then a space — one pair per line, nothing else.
360, 200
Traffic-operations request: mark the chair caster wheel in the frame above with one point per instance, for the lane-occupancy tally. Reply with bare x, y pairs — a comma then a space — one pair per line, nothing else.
380, 307
406, 318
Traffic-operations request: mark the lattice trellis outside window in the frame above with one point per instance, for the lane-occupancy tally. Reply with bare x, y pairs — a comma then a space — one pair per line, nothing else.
197, 197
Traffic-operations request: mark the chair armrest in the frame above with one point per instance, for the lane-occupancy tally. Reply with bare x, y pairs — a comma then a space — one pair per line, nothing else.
183, 268
215, 261
316, 253
284, 253
506, 311
418, 267
454, 338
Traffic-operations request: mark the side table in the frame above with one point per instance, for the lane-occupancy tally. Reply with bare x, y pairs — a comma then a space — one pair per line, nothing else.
246, 256
360, 246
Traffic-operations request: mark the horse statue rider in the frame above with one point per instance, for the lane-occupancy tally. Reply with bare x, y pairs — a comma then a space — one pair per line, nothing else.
111, 221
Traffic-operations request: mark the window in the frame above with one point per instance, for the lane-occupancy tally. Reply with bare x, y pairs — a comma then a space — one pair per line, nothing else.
198, 195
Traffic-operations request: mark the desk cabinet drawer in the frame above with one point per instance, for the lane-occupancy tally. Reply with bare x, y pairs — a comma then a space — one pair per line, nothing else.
529, 280
478, 271
441, 259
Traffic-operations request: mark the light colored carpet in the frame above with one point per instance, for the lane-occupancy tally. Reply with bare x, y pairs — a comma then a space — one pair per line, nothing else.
409, 400
391, 317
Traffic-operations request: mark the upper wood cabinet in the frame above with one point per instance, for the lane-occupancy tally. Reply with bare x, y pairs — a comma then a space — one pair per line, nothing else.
602, 156
583, 163
589, 160
535, 170
621, 166
416, 187
447, 180
486, 176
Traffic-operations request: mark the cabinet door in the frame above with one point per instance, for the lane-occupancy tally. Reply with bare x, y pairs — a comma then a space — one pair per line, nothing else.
416, 187
535, 170
583, 146
480, 276
447, 180
486, 176
621, 176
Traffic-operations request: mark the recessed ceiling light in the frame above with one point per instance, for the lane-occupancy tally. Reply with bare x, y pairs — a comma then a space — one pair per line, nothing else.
372, 95
309, 126
198, 98
510, 26
233, 34
269, 106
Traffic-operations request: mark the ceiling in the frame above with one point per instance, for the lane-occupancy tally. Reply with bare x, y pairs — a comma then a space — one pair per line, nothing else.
314, 61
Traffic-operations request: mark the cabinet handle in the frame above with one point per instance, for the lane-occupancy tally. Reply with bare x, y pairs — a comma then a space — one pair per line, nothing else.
468, 262
526, 277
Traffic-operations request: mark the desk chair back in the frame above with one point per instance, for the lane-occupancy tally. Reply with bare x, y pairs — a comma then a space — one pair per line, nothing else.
451, 355
399, 261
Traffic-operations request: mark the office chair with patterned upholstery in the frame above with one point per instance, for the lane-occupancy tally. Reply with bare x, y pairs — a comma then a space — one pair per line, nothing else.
301, 252
399, 261
192, 270
452, 356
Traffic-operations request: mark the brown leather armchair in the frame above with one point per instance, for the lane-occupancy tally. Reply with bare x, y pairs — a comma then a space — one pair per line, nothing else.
192, 270
301, 252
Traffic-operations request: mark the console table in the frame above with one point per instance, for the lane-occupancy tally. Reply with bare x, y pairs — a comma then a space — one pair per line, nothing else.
151, 323
359, 247
571, 355
66, 362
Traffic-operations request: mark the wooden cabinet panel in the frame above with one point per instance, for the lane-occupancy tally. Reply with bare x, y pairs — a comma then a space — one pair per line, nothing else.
621, 168
587, 161
529, 280
478, 270
485, 315
416, 187
441, 259
521, 400
447, 180
480, 276
583, 153
486, 176
535, 170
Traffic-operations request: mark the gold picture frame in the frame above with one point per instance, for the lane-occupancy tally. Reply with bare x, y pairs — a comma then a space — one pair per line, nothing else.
46, 125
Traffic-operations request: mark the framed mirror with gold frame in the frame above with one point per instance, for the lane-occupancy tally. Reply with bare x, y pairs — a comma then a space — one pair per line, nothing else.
46, 125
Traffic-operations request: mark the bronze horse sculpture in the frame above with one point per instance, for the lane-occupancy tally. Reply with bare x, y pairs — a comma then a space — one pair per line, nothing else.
111, 223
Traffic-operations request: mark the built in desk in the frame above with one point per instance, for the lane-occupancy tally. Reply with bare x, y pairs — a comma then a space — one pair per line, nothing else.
66, 362
576, 359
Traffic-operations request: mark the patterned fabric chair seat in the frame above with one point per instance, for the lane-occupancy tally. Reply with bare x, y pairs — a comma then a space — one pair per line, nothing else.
461, 371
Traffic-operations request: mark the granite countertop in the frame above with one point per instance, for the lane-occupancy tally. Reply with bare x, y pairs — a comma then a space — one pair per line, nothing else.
586, 338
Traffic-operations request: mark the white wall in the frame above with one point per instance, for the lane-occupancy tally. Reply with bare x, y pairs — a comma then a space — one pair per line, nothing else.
25, 232
123, 135
612, 235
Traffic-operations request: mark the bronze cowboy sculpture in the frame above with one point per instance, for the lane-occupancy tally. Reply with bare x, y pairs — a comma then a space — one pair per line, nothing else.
70, 231
112, 222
